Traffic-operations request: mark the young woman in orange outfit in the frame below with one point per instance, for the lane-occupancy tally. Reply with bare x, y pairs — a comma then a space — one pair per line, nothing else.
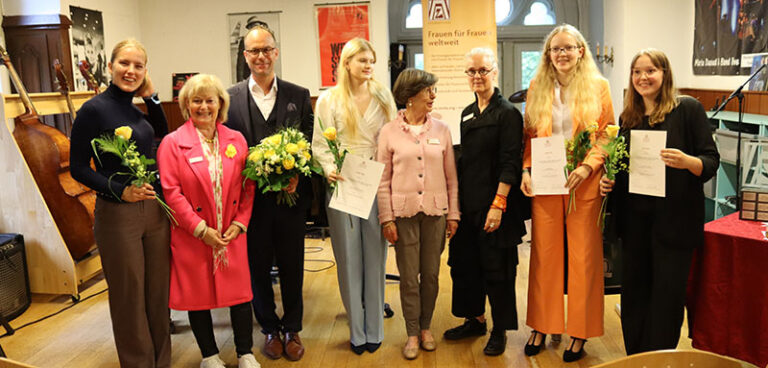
567, 94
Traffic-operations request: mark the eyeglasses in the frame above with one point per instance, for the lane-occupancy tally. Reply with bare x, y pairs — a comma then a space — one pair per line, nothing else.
647, 73
430, 90
557, 50
482, 72
257, 51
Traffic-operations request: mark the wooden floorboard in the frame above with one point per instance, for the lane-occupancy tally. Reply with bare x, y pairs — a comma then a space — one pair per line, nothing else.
82, 336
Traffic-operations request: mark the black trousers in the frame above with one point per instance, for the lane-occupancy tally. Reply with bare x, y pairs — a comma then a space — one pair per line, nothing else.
242, 328
276, 232
653, 288
483, 265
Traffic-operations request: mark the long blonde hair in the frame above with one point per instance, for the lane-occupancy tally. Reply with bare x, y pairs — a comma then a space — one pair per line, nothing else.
585, 101
666, 99
342, 92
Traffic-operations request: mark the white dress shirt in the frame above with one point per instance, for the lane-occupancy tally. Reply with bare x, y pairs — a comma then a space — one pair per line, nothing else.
265, 102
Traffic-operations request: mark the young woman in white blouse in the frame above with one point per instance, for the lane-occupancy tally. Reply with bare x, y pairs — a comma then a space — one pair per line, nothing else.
357, 107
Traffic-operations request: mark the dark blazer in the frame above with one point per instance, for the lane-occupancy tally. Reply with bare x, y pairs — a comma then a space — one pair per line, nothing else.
491, 152
680, 215
292, 108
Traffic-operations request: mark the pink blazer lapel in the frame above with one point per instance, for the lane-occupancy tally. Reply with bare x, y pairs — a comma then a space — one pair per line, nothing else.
193, 153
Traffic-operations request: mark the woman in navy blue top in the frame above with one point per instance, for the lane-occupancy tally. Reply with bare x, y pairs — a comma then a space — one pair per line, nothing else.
131, 230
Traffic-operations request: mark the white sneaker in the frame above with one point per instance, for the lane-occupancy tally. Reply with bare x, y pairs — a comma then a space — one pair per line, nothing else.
247, 361
212, 361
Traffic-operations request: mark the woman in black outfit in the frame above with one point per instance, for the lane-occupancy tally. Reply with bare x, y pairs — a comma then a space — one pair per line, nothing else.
131, 230
483, 253
660, 233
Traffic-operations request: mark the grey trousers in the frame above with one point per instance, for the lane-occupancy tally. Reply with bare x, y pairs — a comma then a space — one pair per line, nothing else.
420, 241
134, 243
361, 256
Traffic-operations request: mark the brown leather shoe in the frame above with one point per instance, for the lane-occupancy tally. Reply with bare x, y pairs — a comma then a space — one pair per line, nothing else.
294, 349
273, 346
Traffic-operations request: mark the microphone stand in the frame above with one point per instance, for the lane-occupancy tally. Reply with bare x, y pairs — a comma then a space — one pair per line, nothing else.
739, 95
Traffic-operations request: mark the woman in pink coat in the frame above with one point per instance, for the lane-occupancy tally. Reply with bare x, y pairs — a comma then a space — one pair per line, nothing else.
200, 165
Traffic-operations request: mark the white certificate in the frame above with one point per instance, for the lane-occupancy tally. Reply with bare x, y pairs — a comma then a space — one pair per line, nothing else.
548, 165
355, 194
647, 173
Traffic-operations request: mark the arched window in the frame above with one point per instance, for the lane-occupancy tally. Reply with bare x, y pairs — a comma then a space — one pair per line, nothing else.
504, 11
414, 18
539, 14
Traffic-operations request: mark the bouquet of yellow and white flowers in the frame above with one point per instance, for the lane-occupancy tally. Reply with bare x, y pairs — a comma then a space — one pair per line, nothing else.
278, 158
329, 134
121, 145
615, 153
576, 151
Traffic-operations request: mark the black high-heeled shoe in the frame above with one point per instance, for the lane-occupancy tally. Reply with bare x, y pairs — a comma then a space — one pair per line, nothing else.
530, 348
571, 356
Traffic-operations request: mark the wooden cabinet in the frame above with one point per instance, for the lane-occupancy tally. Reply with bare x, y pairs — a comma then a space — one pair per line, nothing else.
34, 42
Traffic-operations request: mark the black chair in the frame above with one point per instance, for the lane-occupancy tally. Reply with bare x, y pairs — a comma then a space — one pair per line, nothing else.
519, 96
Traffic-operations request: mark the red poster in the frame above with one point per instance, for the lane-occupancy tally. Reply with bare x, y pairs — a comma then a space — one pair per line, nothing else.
337, 24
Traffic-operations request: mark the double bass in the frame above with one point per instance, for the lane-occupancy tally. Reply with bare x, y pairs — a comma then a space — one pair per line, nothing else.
46, 151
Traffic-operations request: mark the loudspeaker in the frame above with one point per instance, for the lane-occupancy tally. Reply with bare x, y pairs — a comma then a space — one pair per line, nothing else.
14, 279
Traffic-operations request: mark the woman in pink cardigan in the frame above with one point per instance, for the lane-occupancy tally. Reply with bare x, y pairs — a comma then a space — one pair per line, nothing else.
200, 165
418, 200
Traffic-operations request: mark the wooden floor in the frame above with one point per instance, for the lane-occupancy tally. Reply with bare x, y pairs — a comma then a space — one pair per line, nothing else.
82, 337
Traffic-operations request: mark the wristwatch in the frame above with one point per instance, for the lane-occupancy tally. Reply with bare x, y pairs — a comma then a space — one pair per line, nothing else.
153, 97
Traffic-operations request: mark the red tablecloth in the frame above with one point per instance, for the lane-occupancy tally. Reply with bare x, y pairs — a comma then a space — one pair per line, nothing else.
728, 291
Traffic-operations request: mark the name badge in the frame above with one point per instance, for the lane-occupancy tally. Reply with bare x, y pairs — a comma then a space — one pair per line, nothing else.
433, 141
467, 117
195, 159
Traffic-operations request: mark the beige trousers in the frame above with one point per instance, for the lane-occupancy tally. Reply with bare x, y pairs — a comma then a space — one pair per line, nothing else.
420, 241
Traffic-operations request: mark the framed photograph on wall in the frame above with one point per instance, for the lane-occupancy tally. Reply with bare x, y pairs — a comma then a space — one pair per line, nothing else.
177, 81
337, 24
88, 45
239, 24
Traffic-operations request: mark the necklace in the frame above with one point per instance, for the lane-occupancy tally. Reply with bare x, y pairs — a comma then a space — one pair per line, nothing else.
209, 141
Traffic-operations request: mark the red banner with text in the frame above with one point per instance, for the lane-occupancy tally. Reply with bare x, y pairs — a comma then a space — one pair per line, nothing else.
337, 24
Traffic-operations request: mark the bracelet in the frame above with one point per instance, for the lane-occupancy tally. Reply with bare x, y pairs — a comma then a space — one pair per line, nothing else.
526, 170
500, 202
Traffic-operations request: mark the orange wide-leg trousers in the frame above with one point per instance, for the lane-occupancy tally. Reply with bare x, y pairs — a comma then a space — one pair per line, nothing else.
585, 263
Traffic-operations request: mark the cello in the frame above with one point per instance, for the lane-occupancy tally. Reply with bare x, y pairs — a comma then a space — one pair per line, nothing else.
63, 84
46, 151
90, 80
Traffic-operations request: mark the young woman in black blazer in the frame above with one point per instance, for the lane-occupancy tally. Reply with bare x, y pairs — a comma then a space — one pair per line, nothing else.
660, 233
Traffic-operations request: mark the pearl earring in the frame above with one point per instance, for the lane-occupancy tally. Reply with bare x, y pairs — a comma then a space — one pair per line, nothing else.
410, 103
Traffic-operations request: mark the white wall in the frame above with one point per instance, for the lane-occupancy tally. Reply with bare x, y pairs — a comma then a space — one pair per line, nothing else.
193, 36
631, 25
26, 7
121, 19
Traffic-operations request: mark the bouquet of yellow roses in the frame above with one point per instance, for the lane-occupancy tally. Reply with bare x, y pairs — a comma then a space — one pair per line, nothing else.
576, 151
121, 145
615, 153
278, 158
